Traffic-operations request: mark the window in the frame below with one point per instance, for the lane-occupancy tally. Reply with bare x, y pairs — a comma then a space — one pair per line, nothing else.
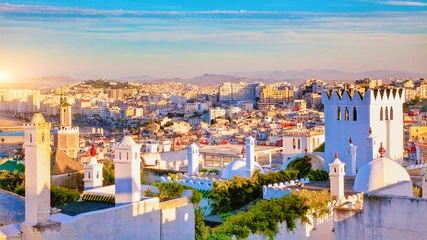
354, 114
386, 113
31, 138
120, 156
97, 174
136, 155
346, 114
391, 113
381, 113
127, 156
299, 143
88, 175
335, 169
338, 113
42, 137
293, 143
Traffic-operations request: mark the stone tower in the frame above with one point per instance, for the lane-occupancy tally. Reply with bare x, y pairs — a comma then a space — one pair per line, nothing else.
127, 164
350, 113
93, 172
250, 155
37, 174
193, 159
351, 158
336, 176
67, 137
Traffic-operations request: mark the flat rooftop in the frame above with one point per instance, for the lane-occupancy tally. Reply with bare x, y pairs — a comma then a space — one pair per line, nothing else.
235, 149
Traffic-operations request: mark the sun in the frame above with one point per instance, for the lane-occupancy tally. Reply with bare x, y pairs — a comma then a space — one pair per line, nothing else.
4, 76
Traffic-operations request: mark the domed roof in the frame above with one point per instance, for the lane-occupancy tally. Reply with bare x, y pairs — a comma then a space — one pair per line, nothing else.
317, 162
379, 173
127, 140
37, 118
237, 168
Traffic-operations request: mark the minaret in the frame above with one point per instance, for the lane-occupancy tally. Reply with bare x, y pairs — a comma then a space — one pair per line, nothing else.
65, 117
127, 164
93, 172
250, 156
37, 174
351, 158
336, 176
193, 159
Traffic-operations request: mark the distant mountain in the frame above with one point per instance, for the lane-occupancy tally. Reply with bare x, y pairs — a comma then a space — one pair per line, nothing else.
41, 82
325, 74
137, 79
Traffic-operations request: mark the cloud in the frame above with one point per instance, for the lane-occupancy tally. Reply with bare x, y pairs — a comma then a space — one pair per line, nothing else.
404, 3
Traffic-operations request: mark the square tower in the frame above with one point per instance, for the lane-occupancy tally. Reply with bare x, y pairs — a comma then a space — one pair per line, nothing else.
351, 113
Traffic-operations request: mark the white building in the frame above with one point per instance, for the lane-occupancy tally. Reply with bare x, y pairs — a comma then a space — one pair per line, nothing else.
350, 114
298, 141
237, 91
214, 113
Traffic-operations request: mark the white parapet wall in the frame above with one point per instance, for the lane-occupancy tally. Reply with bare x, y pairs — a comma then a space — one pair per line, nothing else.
195, 182
278, 190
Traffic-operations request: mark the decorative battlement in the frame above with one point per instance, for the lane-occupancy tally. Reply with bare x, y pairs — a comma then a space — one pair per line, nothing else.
281, 189
195, 182
67, 130
43, 125
413, 167
371, 95
304, 132
354, 201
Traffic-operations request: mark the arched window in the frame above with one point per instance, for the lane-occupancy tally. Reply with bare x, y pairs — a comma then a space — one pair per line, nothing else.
299, 143
386, 113
354, 114
346, 114
381, 114
88, 174
120, 155
391, 113
338, 113
127, 156
42, 137
31, 138
293, 143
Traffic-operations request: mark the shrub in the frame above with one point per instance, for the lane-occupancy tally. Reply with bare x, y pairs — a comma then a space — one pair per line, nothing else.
302, 165
61, 196
317, 175
172, 190
203, 170
276, 177
263, 218
214, 171
11, 180
202, 232
20, 190
148, 193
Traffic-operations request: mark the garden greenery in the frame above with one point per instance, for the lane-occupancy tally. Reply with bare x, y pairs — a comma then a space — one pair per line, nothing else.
172, 190
264, 217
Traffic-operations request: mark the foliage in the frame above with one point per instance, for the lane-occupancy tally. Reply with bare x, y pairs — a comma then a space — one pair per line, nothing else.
216, 171
202, 232
203, 170
320, 148
263, 218
234, 194
108, 173
148, 193
162, 172
60, 196
172, 190
9, 181
20, 190
205, 193
177, 176
276, 177
317, 175
302, 165
417, 192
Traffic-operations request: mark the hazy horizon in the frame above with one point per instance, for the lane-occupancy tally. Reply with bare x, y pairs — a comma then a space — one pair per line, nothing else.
104, 39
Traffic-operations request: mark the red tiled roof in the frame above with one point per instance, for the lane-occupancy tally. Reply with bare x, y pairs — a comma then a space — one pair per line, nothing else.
61, 163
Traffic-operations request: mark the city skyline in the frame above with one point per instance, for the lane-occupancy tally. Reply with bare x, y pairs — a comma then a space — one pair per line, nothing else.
165, 39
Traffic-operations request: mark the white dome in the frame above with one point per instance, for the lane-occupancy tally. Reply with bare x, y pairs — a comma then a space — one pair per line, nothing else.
379, 173
92, 161
316, 161
237, 168
127, 140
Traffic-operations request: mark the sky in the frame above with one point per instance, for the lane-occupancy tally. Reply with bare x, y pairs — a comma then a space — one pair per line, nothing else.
160, 38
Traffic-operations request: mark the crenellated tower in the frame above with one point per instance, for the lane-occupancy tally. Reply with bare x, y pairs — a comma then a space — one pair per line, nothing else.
350, 113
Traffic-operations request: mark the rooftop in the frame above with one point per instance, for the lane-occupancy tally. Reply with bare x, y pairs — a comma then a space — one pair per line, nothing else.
235, 149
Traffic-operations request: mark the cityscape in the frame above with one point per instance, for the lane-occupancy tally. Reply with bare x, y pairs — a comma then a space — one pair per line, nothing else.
167, 120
